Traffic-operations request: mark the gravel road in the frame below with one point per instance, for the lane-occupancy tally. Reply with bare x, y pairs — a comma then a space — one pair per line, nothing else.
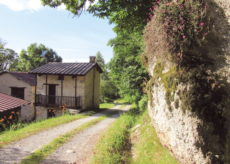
79, 150
17, 151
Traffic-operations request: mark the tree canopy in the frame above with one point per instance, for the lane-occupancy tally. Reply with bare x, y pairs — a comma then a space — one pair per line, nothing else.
31, 59
7, 57
126, 14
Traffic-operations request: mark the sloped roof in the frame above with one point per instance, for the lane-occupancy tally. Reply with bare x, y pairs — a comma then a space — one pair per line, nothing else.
59, 68
8, 102
24, 76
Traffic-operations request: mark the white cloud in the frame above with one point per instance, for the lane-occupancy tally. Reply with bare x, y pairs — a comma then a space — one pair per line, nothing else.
19, 5
62, 7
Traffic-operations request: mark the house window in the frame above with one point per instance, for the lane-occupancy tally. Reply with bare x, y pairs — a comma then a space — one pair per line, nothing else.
60, 77
51, 113
17, 92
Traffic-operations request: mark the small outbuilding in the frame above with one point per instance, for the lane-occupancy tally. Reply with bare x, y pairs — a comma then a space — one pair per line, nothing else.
20, 85
61, 86
10, 109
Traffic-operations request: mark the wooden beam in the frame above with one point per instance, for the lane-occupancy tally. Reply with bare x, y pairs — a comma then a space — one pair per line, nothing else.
61, 91
46, 89
93, 84
76, 92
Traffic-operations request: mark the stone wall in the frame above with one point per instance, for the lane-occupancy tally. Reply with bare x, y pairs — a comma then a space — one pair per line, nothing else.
7, 81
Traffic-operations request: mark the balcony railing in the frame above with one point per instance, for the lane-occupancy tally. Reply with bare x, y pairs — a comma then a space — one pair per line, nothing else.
57, 101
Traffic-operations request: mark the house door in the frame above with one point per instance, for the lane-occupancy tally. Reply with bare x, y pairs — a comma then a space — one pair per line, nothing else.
52, 93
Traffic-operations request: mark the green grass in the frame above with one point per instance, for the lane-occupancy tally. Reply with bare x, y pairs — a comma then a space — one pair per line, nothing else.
106, 105
9, 136
122, 106
148, 148
113, 146
122, 101
42, 153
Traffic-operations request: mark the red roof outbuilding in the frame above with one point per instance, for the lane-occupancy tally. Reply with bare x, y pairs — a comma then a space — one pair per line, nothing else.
8, 102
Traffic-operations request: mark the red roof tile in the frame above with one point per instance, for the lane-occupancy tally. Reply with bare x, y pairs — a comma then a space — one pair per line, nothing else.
8, 102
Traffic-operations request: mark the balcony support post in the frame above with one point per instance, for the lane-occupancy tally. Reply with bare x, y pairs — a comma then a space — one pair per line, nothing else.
61, 91
46, 91
76, 92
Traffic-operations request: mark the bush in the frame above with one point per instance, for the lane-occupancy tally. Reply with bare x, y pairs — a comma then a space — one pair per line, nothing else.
142, 104
108, 99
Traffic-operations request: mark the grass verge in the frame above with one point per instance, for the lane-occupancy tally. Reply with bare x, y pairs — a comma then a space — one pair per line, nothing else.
9, 136
106, 105
116, 143
122, 106
122, 101
113, 146
147, 147
42, 153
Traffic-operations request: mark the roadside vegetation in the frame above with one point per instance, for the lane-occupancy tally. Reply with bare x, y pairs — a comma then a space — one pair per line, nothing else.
20, 130
120, 143
146, 145
42, 153
106, 105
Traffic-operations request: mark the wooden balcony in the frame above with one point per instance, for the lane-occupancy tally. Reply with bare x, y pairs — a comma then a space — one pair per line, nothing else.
57, 101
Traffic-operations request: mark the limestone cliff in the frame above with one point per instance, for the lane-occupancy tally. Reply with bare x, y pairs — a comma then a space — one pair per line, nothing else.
189, 88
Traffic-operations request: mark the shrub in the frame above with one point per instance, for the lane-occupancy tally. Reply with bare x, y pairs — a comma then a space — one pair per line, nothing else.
142, 104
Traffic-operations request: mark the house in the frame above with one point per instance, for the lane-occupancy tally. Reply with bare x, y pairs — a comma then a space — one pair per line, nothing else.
20, 85
72, 85
10, 108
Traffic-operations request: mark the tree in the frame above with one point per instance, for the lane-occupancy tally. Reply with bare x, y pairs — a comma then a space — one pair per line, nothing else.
127, 15
31, 59
106, 87
126, 69
7, 57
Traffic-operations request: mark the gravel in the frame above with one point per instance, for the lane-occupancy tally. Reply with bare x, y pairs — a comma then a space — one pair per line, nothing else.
18, 150
80, 148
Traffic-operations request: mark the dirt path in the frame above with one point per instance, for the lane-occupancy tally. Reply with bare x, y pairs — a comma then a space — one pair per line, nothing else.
17, 151
79, 150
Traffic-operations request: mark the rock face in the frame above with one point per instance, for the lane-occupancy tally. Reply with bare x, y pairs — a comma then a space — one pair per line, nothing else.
177, 131
189, 138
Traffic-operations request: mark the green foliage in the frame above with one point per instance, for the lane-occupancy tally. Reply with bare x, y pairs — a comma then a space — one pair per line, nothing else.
8, 58
127, 15
31, 59
187, 33
143, 103
126, 70
108, 90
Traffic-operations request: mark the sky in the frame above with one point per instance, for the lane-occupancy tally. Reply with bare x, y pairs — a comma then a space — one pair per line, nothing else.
24, 22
